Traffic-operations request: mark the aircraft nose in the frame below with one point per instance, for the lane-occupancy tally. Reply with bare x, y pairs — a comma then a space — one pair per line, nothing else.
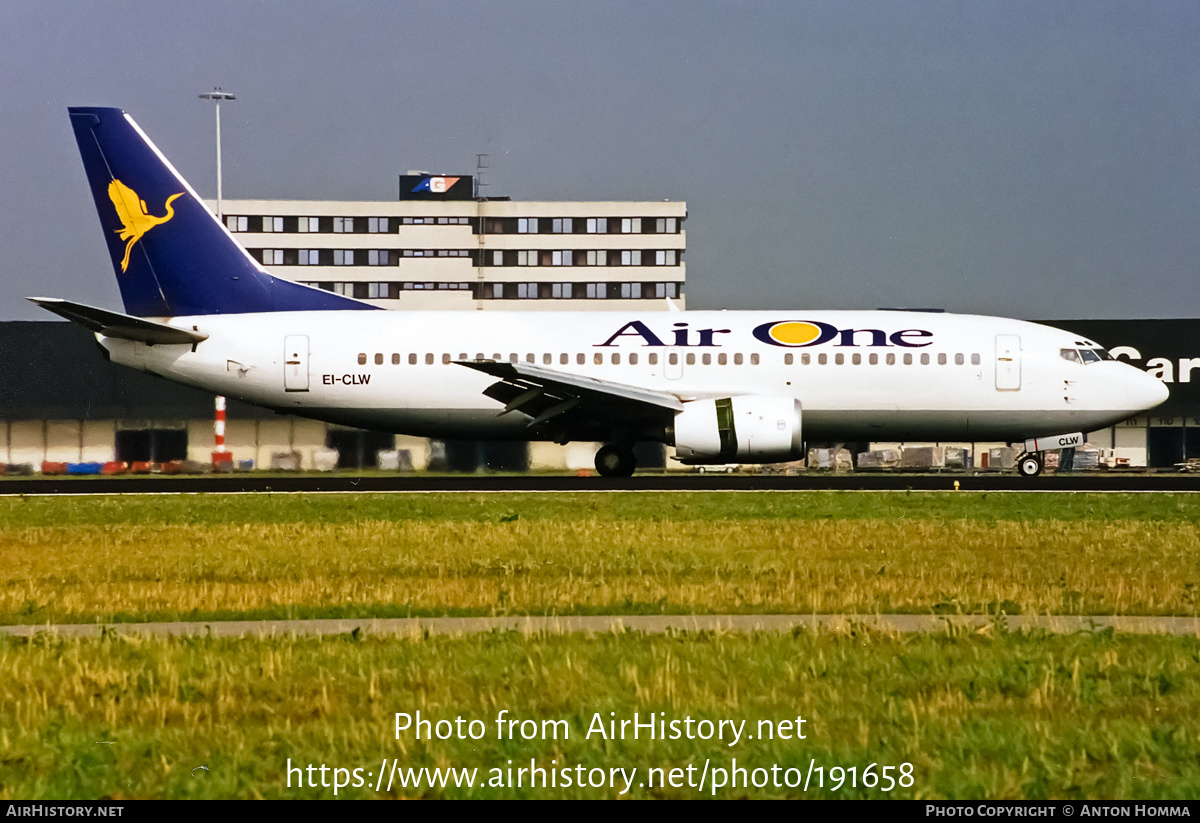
1149, 391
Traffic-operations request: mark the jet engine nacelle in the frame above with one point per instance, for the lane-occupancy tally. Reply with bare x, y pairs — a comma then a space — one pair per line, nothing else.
744, 429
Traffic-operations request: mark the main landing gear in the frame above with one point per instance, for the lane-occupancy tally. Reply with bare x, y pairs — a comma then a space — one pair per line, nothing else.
1029, 464
615, 461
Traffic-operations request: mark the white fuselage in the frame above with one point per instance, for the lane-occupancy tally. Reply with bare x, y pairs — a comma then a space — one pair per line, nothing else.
864, 375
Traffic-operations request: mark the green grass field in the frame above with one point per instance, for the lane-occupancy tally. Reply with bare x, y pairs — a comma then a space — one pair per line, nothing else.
215, 557
1005, 716
977, 715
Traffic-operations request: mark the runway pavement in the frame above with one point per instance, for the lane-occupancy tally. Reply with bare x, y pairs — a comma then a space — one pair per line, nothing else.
814, 481
647, 624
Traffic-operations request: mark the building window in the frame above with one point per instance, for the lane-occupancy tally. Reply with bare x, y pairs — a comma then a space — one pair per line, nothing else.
343, 257
666, 225
272, 257
561, 258
235, 223
527, 258
497, 258
631, 291
270, 224
377, 257
308, 257
664, 257
597, 258
377, 225
527, 291
631, 225
343, 225
308, 225
597, 225
562, 291
597, 291
527, 225
378, 291
631, 258
666, 290
562, 225
344, 289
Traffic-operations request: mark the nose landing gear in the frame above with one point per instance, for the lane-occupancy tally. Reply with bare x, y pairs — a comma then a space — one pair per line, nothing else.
615, 461
1030, 464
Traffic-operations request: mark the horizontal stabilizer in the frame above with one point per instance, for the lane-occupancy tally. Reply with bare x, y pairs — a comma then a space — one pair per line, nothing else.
115, 324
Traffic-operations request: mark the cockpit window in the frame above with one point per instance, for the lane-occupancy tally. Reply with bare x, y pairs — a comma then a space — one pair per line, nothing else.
1085, 355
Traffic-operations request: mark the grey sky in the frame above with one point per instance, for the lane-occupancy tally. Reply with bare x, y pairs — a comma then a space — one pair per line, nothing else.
1033, 159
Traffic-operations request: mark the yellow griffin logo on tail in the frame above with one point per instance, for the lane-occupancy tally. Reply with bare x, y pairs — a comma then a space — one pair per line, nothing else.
136, 220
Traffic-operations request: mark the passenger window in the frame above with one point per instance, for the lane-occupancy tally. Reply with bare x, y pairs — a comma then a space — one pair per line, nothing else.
581, 358
564, 359
787, 359
633, 359
691, 359
598, 359
874, 359
673, 358
378, 358
395, 360
856, 359
891, 358
908, 359
942, 359
958, 360
653, 358
547, 359
822, 359
412, 359
362, 359
754, 360
445, 359
737, 360
616, 359
839, 359
429, 359
462, 355
925, 359
513, 358
530, 358
722, 359
805, 359
480, 356
975, 360
706, 359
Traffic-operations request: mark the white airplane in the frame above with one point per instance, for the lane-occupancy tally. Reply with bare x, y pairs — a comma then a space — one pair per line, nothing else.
721, 387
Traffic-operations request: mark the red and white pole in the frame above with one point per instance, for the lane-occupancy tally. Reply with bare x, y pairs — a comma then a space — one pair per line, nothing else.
221, 457
219, 424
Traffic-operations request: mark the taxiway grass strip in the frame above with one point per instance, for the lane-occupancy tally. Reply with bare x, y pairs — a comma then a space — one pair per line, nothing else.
1003, 716
383, 556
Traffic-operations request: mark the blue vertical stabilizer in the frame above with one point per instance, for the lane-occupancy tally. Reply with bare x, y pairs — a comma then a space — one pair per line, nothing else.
170, 254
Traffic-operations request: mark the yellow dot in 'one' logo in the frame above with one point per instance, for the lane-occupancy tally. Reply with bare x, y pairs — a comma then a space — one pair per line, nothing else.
794, 333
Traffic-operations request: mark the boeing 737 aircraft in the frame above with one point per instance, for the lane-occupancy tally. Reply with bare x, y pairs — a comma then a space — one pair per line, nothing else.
721, 387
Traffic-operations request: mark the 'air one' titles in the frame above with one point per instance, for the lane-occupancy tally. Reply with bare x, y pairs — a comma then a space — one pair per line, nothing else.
792, 334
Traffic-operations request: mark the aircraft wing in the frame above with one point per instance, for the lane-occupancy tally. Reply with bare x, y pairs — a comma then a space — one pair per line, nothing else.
545, 394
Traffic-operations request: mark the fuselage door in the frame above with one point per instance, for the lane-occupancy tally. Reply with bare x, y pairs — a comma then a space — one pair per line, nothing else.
673, 364
1008, 362
295, 362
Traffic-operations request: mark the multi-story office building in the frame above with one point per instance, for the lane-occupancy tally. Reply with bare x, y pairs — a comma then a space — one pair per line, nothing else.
439, 247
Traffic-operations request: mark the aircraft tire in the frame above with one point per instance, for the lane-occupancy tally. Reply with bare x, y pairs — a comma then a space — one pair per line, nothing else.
1029, 465
615, 461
